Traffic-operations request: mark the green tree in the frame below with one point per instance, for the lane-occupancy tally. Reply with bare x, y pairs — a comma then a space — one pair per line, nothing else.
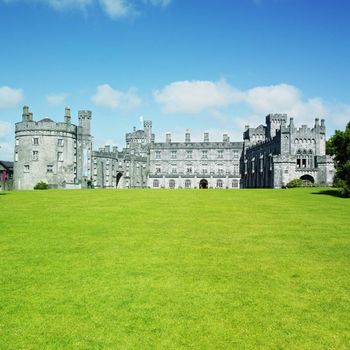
339, 147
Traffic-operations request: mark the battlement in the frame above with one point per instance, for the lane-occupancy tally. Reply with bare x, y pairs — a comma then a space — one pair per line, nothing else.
45, 125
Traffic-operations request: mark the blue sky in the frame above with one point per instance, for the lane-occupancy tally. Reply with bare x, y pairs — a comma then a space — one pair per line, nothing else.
211, 65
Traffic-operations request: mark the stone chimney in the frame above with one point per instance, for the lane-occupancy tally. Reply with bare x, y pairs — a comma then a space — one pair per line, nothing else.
115, 149
25, 114
107, 148
168, 137
187, 136
206, 136
225, 138
67, 115
291, 123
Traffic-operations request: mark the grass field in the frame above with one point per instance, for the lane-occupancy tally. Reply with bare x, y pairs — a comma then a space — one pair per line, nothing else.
174, 269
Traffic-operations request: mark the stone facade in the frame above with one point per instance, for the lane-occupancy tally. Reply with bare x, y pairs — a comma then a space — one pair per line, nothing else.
270, 156
277, 153
195, 164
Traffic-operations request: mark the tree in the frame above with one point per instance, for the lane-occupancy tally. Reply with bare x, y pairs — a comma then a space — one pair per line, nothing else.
339, 147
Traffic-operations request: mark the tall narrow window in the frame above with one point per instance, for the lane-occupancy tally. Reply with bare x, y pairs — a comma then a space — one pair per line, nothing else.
60, 156
187, 183
220, 153
60, 142
155, 183
35, 141
219, 183
157, 154
35, 155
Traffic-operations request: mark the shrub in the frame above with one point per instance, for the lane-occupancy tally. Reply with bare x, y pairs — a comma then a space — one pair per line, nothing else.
295, 183
41, 185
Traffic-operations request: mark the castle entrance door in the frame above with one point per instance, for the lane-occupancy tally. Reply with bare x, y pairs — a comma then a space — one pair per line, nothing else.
308, 179
203, 184
119, 175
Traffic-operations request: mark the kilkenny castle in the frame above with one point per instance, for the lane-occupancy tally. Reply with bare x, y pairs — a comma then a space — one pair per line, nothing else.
61, 154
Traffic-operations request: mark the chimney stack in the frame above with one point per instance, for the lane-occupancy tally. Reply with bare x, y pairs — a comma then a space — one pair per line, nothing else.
206, 136
187, 136
168, 137
67, 115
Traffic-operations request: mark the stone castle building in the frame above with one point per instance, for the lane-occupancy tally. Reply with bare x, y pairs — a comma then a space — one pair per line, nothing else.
61, 154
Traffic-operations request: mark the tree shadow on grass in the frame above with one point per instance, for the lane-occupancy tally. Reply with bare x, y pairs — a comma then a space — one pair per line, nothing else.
331, 192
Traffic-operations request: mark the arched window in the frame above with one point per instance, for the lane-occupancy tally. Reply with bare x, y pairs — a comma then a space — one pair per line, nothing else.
155, 183
187, 183
219, 183
171, 183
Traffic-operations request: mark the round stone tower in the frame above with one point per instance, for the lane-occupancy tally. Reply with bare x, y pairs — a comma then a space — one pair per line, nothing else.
44, 151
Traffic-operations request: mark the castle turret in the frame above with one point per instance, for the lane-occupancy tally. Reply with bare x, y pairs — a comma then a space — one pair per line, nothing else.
147, 127
274, 122
85, 121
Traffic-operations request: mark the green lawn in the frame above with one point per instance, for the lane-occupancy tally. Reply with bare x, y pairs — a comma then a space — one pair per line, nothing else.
174, 269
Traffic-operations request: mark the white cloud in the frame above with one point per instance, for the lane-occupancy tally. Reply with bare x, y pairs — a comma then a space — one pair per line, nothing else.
107, 97
10, 97
249, 106
117, 8
56, 99
195, 96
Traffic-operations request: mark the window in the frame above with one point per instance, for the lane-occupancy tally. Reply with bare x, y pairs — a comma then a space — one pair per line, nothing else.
17, 142
171, 183
261, 164
35, 155
49, 168
220, 153
235, 183
219, 183
187, 183
235, 154
235, 169
60, 142
189, 170
60, 156
157, 154
220, 169
155, 183
16, 157
204, 168
204, 154
35, 141
173, 169
158, 169
173, 154
189, 154
26, 168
